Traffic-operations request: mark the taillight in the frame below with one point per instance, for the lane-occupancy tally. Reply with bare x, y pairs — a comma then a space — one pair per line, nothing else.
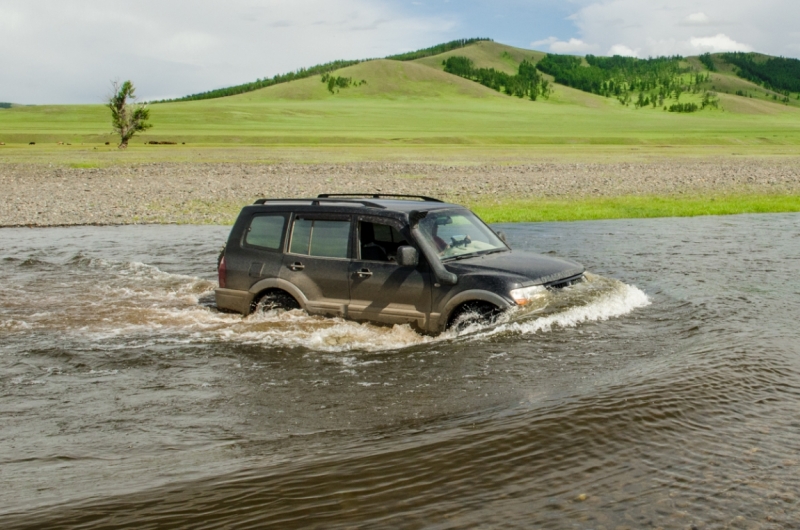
222, 272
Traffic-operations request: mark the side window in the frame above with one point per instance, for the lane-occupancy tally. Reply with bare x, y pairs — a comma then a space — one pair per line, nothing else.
266, 231
301, 236
318, 237
379, 242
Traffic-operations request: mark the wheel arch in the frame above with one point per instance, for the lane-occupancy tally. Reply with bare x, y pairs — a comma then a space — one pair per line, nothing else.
473, 295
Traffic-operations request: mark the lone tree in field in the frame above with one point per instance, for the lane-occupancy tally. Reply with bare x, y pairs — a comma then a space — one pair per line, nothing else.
127, 119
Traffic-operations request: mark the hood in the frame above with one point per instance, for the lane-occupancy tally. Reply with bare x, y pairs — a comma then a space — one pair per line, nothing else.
535, 269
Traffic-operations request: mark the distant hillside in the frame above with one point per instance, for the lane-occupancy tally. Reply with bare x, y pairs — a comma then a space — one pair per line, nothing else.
385, 80
677, 84
753, 76
776, 73
258, 84
319, 69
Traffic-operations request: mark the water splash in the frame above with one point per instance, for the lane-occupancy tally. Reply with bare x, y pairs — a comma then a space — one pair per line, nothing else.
124, 301
597, 300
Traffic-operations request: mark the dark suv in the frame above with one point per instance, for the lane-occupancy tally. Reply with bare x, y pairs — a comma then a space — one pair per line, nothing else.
383, 258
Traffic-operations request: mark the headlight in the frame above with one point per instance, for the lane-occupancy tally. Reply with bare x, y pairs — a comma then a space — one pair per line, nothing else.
524, 295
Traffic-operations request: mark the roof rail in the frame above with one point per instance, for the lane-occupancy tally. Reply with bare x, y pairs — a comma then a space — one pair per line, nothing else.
379, 196
318, 200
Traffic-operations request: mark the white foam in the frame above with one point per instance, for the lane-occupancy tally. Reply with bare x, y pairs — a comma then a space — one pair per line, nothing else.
14, 325
621, 300
103, 372
296, 329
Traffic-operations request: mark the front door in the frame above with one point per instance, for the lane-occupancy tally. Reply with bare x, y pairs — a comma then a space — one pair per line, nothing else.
380, 290
318, 261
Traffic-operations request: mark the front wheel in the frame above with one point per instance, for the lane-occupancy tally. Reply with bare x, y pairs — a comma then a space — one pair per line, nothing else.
471, 313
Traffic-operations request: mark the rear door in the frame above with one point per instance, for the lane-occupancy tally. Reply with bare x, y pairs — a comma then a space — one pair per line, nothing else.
260, 255
380, 290
317, 261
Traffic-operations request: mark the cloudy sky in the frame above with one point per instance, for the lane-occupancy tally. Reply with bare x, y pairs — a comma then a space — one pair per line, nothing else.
68, 51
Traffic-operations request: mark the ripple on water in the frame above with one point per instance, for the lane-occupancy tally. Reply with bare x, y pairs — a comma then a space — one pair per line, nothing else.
587, 409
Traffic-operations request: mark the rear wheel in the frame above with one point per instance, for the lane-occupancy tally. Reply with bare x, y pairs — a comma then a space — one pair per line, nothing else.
474, 312
272, 300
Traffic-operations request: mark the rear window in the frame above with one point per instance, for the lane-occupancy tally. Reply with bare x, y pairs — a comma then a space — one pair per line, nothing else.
323, 238
266, 231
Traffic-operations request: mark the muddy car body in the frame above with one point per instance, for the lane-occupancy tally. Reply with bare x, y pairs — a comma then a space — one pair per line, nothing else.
383, 259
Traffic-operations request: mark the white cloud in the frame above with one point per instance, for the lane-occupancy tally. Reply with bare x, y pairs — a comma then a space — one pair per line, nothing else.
69, 51
688, 27
621, 49
544, 42
718, 43
572, 46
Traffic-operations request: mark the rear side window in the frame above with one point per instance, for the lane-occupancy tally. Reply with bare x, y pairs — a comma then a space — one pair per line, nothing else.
323, 238
266, 231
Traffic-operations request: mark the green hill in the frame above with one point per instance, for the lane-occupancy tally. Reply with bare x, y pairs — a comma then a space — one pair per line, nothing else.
487, 54
394, 103
385, 79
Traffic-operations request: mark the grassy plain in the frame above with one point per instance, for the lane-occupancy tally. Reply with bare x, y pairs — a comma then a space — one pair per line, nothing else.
593, 208
548, 210
413, 104
410, 112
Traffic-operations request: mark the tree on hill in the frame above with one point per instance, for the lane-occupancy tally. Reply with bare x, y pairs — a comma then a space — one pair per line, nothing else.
436, 50
127, 118
336, 82
527, 82
776, 73
614, 76
708, 62
653, 80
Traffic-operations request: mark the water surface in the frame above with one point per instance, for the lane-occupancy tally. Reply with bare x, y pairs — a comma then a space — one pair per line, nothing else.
663, 392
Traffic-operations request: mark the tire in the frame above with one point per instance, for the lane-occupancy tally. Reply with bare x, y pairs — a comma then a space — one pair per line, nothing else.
273, 300
470, 313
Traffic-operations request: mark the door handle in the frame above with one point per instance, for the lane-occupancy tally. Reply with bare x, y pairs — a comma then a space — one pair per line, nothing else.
364, 273
297, 266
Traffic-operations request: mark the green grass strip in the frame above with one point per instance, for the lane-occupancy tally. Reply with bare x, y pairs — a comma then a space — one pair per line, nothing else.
629, 207
224, 212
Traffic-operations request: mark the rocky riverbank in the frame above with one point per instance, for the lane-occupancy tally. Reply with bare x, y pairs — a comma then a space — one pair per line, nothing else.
36, 195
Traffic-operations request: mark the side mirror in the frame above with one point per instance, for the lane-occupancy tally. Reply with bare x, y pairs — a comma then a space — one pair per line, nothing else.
407, 256
502, 236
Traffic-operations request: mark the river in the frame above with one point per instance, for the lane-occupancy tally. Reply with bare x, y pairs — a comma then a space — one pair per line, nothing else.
663, 392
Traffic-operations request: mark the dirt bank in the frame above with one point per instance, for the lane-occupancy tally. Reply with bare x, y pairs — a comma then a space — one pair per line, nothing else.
208, 193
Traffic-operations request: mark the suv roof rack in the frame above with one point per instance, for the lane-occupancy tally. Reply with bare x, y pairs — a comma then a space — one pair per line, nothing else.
316, 201
379, 196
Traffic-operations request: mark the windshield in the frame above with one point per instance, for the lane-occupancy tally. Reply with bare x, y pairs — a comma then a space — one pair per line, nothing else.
459, 233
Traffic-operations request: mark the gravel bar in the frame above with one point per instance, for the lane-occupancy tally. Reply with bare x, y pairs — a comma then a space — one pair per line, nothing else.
38, 195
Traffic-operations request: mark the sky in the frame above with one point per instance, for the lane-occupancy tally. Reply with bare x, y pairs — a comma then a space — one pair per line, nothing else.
70, 51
